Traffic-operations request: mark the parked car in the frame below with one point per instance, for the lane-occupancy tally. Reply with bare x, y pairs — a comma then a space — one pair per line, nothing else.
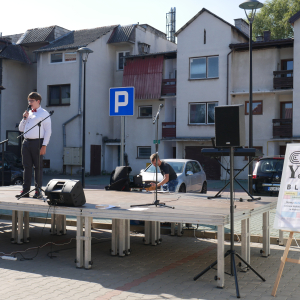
267, 174
12, 159
190, 175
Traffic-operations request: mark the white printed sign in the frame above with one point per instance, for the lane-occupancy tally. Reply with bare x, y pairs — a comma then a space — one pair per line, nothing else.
288, 205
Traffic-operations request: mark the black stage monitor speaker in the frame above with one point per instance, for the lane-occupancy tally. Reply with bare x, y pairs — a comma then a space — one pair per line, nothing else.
230, 126
65, 192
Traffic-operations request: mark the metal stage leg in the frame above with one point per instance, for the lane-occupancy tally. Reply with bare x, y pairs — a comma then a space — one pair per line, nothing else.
120, 242
83, 242
220, 257
14, 226
114, 234
147, 231
88, 242
58, 224
245, 236
121, 237
152, 233
79, 243
26, 227
281, 240
179, 229
20, 228
127, 237
266, 234
173, 228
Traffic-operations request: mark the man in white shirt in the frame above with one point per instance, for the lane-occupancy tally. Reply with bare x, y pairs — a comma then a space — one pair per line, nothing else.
34, 148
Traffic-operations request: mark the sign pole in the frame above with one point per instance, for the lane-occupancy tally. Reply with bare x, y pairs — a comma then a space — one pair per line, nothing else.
122, 140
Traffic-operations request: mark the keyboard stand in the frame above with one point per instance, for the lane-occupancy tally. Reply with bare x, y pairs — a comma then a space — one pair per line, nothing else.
218, 194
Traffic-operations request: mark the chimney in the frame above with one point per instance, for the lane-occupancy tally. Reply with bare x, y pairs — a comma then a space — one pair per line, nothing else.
267, 35
242, 25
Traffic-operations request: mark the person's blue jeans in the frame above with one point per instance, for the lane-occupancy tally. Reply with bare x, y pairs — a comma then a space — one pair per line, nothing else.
172, 185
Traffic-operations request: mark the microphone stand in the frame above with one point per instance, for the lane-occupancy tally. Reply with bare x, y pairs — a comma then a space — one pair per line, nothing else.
38, 124
156, 201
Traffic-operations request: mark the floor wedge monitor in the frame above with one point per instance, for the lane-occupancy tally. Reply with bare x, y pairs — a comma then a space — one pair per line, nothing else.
65, 192
230, 126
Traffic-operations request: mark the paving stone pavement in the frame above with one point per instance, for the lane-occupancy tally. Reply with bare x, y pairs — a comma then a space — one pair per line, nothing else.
149, 272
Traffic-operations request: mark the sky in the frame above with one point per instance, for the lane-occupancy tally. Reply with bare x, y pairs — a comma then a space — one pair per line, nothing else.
17, 16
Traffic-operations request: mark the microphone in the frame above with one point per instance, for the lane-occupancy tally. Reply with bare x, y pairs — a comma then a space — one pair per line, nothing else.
28, 108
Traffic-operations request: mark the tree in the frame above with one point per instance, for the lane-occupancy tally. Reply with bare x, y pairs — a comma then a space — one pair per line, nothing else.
274, 16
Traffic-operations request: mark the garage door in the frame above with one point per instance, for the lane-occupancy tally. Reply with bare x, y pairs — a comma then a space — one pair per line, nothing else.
210, 165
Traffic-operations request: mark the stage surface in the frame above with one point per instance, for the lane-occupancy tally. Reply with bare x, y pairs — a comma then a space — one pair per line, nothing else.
192, 208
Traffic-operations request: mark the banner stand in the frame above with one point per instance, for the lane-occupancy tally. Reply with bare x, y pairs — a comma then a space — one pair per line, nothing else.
285, 259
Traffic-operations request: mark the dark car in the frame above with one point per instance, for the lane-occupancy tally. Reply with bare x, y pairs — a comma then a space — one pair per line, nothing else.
12, 175
12, 159
267, 174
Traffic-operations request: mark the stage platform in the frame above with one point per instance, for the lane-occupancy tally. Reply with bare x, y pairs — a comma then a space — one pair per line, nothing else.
188, 208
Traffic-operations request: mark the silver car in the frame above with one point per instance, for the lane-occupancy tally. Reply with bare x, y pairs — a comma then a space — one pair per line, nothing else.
190, 175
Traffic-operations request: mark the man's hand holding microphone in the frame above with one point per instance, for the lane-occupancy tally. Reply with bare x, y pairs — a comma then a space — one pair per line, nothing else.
26, 112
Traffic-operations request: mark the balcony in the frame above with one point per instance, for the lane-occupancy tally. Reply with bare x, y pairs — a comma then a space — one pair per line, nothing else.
282, 128
168, 130
283, 79
168, 87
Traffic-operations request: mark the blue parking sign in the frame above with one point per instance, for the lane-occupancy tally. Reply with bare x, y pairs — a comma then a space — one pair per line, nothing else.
121, 101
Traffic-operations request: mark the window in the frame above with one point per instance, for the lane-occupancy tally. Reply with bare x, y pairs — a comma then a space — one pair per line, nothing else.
70, 56
56, 57
121, 60
286, 110
63, 57
257, 107
202, 113
59, 94
287, 65
145, 111
204, 67
143, 152
197, 168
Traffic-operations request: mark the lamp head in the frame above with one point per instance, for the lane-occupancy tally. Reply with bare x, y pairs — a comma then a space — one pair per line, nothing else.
85, 53
251, 5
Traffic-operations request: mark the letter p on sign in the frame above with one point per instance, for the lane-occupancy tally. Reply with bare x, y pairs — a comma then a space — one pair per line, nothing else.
121, 101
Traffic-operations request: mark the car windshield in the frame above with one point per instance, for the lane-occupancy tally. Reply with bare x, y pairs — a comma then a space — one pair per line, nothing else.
177, 166
271, 165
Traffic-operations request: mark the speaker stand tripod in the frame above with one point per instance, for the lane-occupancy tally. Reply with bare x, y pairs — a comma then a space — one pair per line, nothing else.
231, 252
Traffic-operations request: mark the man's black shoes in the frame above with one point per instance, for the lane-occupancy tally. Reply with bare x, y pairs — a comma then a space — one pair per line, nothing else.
37, 194
23, 195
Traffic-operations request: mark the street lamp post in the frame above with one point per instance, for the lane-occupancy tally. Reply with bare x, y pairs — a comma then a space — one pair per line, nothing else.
251, 6
84, 53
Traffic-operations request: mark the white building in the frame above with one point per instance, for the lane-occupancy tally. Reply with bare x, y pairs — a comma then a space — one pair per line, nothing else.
59, 81
203, 72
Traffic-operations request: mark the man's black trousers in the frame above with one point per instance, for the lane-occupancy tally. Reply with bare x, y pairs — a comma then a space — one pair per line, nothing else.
30, 158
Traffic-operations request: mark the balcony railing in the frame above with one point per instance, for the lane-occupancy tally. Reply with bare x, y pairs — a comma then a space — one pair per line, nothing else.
283, 79
168, 129
168, 87
282, 128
